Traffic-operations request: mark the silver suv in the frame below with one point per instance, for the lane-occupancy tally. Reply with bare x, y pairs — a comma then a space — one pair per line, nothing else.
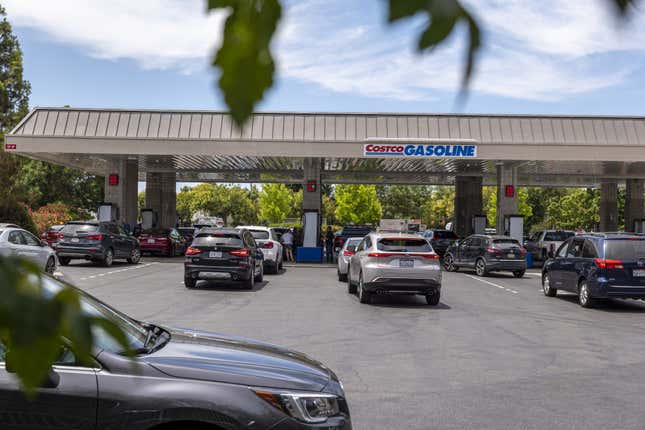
18, 242
394, 263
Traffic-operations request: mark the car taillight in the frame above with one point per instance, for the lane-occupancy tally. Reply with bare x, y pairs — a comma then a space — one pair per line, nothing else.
523, 251
193, 251
240, 252
59, 235
94, 237
341, 241
380, 255
267, 245
347, 253
432, 256
494, 250
603, 263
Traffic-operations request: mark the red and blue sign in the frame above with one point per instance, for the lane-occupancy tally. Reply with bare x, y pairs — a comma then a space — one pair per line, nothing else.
416, 150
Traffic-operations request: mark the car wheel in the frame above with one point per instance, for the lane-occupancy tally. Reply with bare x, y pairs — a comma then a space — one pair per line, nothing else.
449, 264
50, 267
260, 276
433, 299
64, 261
275, 268
171, 252
363, 295
109, 258
519, 273
351, 288
190, 282
280, 265
480, 267
250, 283
584, 295
135, 256
342, 277
549, 291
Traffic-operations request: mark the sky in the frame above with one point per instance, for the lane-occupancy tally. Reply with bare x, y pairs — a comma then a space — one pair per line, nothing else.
547, 56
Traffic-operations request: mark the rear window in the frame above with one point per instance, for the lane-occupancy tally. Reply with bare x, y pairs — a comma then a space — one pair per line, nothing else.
259, 234
157, 231
625, 249
79, 228
445, 234
557, 236
505, 243
212, 239
403, 245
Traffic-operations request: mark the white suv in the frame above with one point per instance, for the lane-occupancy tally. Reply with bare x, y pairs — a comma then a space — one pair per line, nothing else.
267, 240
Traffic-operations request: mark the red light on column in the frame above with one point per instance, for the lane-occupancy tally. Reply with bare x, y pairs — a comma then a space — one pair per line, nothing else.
509, 191
311, 186
113, 180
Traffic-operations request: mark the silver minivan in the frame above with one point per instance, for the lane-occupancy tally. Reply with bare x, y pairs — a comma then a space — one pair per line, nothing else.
14, 241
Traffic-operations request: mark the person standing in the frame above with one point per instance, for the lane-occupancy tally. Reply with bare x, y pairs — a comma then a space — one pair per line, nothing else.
329, 245
287, 242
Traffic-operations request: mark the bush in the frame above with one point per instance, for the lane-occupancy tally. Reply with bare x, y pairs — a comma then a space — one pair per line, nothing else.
52, 214
17, 213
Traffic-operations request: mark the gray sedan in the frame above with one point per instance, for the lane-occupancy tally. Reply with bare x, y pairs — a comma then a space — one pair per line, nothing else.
394, 263
14, 241
345, 254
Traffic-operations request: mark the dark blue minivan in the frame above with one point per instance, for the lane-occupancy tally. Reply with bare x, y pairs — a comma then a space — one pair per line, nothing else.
598, 266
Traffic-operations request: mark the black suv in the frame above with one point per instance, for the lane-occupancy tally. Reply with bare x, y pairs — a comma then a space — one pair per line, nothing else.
350, 231
487, 254
440, 240
599, 265
221, 254
96, 241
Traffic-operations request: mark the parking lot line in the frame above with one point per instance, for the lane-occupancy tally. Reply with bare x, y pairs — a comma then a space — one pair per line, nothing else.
139, 266
501, 287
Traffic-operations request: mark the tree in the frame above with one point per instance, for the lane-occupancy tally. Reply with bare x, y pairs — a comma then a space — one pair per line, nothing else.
489, 195
357, 204
579, 208
232, 203
403, 201
275, 202
53, 214
245, 63
439, 209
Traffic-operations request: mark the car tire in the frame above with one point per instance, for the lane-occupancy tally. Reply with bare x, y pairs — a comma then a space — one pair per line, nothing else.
548, 290
449, 263
250, 283
342, 277
363, 295
480, 267
50, 266
260, 276
64, 261
519, 273
351, 288
135, 256
109, 258
190, 282
280, 265
433, 299
584, 295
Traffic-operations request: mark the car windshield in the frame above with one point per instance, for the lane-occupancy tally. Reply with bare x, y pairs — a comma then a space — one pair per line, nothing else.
353, 231
403, 245
260, 234
79, 228
444, 234
157, 231
212, 239
557, 236
625, 249
134, 331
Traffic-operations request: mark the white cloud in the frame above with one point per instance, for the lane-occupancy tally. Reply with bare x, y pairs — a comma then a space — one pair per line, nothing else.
546, 50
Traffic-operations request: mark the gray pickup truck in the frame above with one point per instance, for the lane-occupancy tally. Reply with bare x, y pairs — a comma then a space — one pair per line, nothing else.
543, 244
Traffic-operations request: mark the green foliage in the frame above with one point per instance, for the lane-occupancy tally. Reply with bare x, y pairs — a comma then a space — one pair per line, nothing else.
276, 202
244, 59
216, 200
403, 201
357, 204
579, 208
53, 214
439, 209
443, 16
14, 212
489, 196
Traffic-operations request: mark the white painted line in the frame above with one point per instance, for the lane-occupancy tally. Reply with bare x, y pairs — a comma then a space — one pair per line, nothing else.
91, 277
492, 284
101, 274
539, 275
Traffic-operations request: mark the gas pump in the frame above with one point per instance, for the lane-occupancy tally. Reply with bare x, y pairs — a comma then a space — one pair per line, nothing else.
479, 224
514, 227
639, 226
149, 219
310, 251
108, 212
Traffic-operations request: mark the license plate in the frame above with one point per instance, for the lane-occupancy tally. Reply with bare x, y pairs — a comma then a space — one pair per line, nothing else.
75, 240
510, 255
406, 263
639, 273
151, 241
215, 254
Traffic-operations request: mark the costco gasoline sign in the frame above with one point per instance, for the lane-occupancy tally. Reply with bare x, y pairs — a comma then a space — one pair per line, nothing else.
414, 150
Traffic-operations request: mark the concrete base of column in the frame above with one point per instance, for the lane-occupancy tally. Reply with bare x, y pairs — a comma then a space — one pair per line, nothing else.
123, 195
634, 209
609, 206
468, 203
505, 205
161, 196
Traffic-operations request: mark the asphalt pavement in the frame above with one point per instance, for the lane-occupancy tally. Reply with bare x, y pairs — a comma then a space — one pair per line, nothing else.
495, 354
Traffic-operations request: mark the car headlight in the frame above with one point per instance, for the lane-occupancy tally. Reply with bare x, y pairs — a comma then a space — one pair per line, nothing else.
306, 407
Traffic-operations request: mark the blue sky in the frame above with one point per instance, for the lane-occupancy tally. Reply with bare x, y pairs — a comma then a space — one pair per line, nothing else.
548, 56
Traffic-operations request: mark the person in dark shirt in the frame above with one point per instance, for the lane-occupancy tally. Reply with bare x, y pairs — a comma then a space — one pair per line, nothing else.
329, 245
